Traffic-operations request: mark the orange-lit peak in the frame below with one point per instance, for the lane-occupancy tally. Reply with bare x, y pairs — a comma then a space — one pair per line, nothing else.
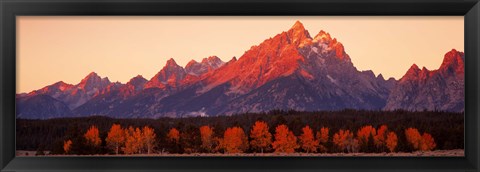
298, 35
414, 67
322, 35
452, 51
453, 61
211, 58
298, 26
453, 56
171, 61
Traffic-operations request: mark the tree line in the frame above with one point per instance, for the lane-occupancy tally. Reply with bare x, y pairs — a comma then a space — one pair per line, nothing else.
235, 140
320, 132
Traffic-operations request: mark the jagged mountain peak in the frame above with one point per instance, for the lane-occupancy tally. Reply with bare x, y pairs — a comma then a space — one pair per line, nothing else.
298, 35
453, 62
322, 36
413, 69
171, 74
380, 76
133, 86
52, 89
231, 61
206, 65
190, 63
298, 26
59, 83
92, 81
453, 56
171, 65
171, 62
62, 85
278, 56
213, 61
411, 73
211, 58
92, 74
324, 41
423, 89
136, 79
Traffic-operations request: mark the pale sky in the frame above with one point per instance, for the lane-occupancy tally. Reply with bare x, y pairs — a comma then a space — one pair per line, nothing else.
54, 48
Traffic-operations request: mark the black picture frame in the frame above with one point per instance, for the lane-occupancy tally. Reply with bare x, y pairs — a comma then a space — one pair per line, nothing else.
9, 9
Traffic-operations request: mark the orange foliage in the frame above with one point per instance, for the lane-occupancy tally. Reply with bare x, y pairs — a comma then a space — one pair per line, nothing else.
137, 135
285, 140
427, 143
391, 141
93, 137
148, 138
379, 139
423, 142
67, 145
413, 137
140, 140
344, 140
322, 137
307, 140
133, 141
173, 135
235, 140
206, 135
116, 137
261, 138
219, 141
364, 133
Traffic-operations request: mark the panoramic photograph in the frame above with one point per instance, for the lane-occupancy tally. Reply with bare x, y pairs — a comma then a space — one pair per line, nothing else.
240, 86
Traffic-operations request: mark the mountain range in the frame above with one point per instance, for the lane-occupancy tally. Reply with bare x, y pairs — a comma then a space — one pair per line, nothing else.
291, 70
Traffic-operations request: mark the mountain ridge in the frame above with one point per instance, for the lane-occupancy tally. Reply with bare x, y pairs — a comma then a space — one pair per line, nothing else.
290, 70
440, 89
